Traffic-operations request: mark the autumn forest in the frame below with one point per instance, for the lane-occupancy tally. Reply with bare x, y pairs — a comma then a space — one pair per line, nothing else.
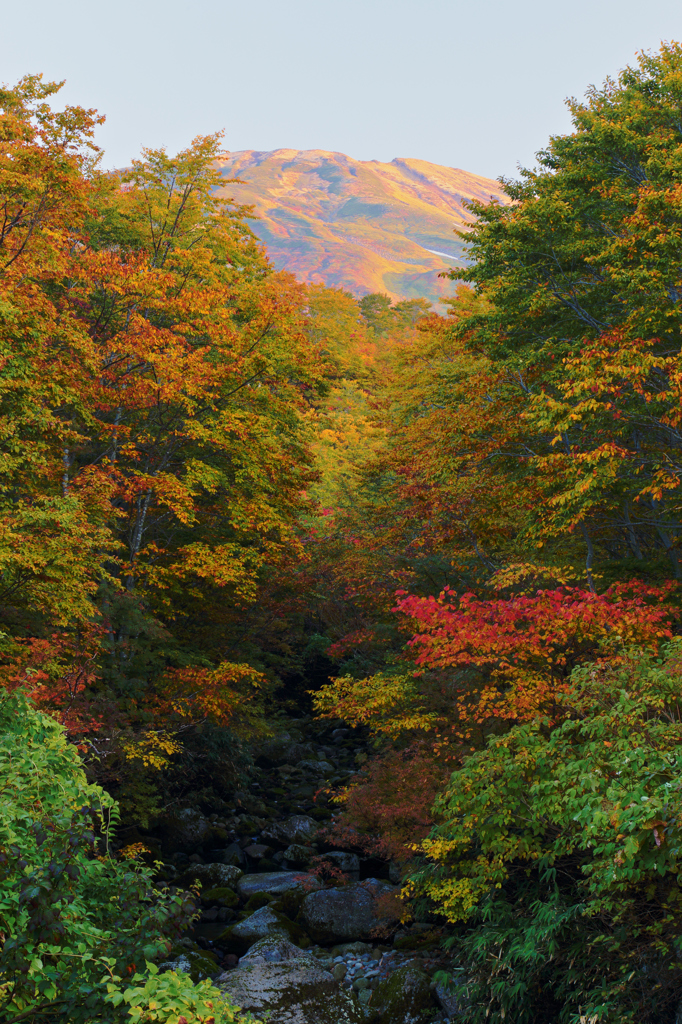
234, 505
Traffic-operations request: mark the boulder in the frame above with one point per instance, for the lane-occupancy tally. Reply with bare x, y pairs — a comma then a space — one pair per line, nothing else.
343, 861
395, 874
222, 896
351, 912
263, 923
257, 851
232, 854
448, 999
276, 883
297, 829
318, 767
211, 876
284, 749
186, 829
299, 856
198, 964
271, 949
290, 986
404, 996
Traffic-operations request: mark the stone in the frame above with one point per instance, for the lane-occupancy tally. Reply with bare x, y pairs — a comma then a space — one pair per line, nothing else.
299, 856
297, 829
257, 851
352, 947
222, 896
212, 876
405, 996
284, 749
276, 883
343, 861
351, 912
271, 949
233, 854
199, 965
186, 829
395, 875
261, 924
447, 999
315, 766
292, 990
339, 972
417, 938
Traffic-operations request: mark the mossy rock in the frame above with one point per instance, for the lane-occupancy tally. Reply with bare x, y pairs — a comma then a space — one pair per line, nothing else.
258, 900
198, 963
425, 940
292, 989
222, 896
289, 902
320, 813
210, 876
238, 938
246, 828
405, 996
265, 864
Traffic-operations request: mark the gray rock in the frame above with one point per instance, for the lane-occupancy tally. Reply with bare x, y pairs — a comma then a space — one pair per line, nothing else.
186, 829
394, 873
297, 829
404, 996
352, 947
275, 883
299, 856
343, 861
351, 912
447, 999
317, 767
233, 854
293, 991
197, 964
339, 971
263, 923
285, 749
257, 851
212, 876
271, 949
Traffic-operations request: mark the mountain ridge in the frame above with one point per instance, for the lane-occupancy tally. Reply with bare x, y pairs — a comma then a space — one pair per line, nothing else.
365, 226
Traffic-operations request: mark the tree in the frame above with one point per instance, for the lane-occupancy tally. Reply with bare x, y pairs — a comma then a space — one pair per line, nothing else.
582, 285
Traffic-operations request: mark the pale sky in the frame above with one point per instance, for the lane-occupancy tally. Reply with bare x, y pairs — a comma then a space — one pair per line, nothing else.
478, 85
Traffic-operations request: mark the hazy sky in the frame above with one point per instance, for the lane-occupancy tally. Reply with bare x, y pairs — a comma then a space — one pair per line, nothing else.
477, 84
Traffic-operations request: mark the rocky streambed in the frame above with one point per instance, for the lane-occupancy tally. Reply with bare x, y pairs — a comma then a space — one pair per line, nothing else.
291, 925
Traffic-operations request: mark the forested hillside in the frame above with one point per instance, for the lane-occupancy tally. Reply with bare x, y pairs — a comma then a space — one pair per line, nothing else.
340, 637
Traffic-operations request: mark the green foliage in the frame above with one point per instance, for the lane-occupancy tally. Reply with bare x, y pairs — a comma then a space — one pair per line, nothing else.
171, 998
73, 920
561, 841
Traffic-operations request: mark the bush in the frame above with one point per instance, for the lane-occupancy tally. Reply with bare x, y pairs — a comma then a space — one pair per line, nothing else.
74, 921
560, 849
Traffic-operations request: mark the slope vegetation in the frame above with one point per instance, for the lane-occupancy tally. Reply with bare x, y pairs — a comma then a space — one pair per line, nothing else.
361, 225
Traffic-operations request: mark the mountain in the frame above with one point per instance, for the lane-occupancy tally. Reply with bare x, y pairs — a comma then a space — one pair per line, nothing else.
359, 224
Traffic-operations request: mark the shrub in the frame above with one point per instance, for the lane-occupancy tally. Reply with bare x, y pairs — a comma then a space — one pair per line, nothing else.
74, 921
560, 851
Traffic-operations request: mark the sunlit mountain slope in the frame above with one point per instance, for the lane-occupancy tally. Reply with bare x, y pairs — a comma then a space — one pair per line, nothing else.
361, 225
